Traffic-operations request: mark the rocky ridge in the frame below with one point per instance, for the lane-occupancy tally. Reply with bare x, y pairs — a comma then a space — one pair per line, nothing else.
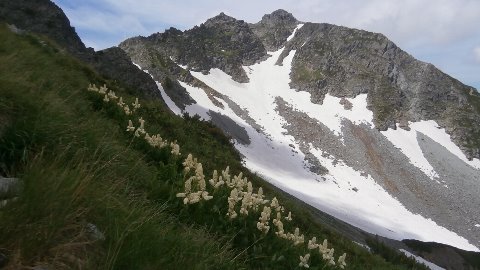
221, 42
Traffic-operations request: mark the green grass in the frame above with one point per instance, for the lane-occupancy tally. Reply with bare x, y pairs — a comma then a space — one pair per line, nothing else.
80, 166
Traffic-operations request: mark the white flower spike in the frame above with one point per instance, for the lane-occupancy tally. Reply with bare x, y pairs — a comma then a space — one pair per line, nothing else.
341, 261
130, 127
120, 102
135, 104
304, 261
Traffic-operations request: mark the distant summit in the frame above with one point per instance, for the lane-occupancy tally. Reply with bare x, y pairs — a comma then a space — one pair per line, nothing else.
278, 16
274, 28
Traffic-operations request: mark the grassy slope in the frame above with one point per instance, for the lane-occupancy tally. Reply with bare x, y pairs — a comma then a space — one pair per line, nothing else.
80, 166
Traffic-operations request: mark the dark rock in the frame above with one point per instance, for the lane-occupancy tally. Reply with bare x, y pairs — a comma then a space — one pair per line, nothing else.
230, 127
114, 63
3, 260
221, 42
42, 17
444, 256
347, 105
9, 187
94, 233
275, 28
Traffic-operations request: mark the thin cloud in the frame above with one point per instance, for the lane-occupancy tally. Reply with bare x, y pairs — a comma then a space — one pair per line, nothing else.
476, 54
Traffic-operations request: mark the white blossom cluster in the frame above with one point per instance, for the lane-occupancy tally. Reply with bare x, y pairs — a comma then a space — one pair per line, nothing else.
195, 185
109, 95
279, 224
296, 237
241, 192
304, 261
155, 141
327, 255
341, 261
216, 181
264, 219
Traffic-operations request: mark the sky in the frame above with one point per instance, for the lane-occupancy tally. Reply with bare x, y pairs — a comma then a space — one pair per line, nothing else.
445, 33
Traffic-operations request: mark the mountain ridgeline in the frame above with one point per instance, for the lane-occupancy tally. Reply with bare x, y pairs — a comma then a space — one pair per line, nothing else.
341, 61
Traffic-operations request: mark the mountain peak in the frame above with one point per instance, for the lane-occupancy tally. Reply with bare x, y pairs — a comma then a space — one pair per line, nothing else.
220, 18
279, 15
274, 28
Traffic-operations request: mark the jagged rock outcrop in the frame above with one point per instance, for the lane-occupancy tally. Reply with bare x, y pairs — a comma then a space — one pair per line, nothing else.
221, 42
346, 62
275, 28
45, 18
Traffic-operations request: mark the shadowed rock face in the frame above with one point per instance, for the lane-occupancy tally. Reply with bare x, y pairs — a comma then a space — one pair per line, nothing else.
230, 127
221, 42
45, 18
115, 63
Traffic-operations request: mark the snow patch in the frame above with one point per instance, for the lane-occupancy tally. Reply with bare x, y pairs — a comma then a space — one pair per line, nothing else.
203, 102
175, 109
432, 129
419, 259
170, 104
294, 32
139, 67
407, 142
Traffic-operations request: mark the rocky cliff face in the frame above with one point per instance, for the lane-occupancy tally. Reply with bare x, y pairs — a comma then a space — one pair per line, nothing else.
346, 62
274, 29
114, 63
45, 18
221, 42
